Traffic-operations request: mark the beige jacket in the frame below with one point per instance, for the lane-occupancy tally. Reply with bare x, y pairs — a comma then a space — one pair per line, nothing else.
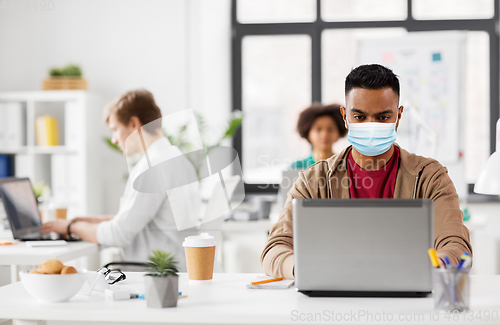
418, 177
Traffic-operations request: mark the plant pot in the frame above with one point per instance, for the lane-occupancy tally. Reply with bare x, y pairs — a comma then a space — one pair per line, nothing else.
161, 292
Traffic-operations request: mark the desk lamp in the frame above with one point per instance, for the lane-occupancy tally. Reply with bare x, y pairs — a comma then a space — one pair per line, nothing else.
488, 181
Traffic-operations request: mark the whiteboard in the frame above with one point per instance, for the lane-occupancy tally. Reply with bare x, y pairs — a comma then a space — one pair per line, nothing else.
431, 71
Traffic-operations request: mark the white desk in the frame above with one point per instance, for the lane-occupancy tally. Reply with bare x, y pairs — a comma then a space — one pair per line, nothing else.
227, 301
20, 254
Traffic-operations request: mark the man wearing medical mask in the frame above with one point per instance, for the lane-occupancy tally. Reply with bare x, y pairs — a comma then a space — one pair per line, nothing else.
374, 166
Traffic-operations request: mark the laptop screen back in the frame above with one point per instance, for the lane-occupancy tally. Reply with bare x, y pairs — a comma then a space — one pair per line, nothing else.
21, 207
363, 244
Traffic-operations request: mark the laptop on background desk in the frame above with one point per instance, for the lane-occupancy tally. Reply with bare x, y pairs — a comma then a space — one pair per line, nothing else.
22, 211
287, 180
363, 247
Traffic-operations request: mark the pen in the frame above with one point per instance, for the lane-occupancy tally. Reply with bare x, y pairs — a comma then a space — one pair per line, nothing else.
462, 266
464, 256
7, 243
466, 264
434, 259
136, 296
447, 261
267, 281
435, 262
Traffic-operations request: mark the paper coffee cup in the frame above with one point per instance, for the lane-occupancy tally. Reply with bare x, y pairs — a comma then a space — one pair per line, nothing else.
61, 213
200, 256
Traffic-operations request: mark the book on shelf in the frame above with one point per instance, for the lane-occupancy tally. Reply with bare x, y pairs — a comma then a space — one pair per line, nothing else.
11, 125
7, 166
46, 133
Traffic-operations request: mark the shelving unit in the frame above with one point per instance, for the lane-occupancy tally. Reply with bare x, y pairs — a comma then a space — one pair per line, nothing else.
72, 169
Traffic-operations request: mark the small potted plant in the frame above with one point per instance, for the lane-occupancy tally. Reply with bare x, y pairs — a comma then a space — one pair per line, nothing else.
162, 281
66, 78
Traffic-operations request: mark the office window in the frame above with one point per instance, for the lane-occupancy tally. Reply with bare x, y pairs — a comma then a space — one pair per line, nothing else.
453, 9
280, 68
276, 11
362, 10
339, 51
477, 104
276, 76
337, 64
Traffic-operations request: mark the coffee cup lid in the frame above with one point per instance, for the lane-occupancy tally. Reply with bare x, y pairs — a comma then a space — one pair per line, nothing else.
203, 240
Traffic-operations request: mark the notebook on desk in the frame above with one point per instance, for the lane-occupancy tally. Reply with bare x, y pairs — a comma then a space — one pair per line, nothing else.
363, 247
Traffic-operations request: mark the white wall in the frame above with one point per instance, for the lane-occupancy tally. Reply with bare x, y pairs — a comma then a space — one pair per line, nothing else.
209, 70
179, 50
120, 44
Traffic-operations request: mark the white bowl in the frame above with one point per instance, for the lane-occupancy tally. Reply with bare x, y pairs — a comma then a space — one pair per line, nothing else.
52, 287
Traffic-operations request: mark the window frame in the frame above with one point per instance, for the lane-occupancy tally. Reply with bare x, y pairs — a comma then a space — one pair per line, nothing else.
315, 29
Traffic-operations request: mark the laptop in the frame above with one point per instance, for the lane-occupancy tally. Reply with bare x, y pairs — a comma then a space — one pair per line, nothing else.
22, 211
363, 247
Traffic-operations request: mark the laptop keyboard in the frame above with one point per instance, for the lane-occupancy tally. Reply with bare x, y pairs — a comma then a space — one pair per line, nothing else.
38, 236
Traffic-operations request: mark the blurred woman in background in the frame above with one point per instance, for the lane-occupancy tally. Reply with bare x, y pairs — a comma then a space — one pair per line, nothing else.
321, 126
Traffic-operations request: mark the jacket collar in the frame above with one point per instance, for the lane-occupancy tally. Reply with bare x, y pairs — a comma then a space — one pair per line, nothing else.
409, 169
412, 163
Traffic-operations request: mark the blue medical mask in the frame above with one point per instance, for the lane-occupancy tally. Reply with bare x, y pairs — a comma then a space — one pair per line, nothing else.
371, 138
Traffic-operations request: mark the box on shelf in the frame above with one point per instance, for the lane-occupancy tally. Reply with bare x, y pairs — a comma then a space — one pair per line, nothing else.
64, 83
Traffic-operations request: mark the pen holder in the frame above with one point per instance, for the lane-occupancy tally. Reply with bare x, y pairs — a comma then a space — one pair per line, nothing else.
451, 289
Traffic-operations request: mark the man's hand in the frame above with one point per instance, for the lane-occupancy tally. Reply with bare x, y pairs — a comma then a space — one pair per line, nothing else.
83, 229
59, 226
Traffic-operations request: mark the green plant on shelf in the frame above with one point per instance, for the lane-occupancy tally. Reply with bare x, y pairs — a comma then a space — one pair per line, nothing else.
70, 70
56, 72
